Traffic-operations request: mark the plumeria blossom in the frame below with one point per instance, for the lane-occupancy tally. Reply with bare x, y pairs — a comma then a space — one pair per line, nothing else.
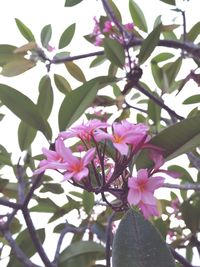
124, 134
54, 159
77, 167
84, 131
108, 26
141, 190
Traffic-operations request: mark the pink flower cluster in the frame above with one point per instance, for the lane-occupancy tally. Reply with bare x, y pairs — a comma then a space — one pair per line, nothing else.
107, 28
110, 172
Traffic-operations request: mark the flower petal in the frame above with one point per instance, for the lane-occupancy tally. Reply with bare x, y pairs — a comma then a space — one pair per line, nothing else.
122, 148
89, 155
134, 196
154, 183
81, 174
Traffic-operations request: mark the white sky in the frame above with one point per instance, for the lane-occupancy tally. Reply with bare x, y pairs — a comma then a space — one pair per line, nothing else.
36, 14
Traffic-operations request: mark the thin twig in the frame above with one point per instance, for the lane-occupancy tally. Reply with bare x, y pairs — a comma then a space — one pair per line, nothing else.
16, 249
67, 229
180, 258
7, 203
35, 239
109, 238
186, 186
21, 183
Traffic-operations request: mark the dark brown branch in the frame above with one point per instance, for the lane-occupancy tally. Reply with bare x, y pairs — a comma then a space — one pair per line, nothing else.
67, 229
35, 239
35, 184
180, 258
7, 203
186, 186
190, 48
108, 239
156, 100
16, 250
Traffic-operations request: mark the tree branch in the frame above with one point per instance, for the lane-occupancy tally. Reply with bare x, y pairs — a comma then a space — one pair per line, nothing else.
17, 251
7, 203
180, 258
108, 238
35, 239
186, 186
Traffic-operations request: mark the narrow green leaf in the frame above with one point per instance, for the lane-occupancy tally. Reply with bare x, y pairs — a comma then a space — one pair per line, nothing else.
44, 205
17, 67
75, 103
75, 71
137, 16
26, 135
184, 174
193, 32
176, 140
81, 253
67, 36
154, 111
192, 100
149, 44
70, 3
170, 2
25, 31
62, 84
24, 108
162, 57
137, 243
52, 188
97, 61
45, 98
172, 69
115, 10
88, 201
61, 56
46, 35
114, 52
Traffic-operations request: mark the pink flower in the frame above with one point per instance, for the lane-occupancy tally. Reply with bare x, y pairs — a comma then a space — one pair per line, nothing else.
76, 167
141, 190
54, 159
98, 41
124, 134
129, 26
107, 26
84, 131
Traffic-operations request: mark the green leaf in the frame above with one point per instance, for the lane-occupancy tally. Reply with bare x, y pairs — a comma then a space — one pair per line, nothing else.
191, 213
7, 54
24, 108
170, 2
115, 10
81, 254
114, 52
88, 201
75, 71
97, 61
26, 245
61, 56
70, 3
192, 100
154, 111
184, 175
62, 84
171, 69
25, 31
44, 205
193, 32
149, 44
67, 36
162, 57
45, 98
137, 16
46, 35
52, 187
77, 101
137, 243
26, 135
17, 67
176, 140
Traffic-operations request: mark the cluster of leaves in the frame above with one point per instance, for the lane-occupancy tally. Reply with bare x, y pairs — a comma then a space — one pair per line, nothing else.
137, 241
